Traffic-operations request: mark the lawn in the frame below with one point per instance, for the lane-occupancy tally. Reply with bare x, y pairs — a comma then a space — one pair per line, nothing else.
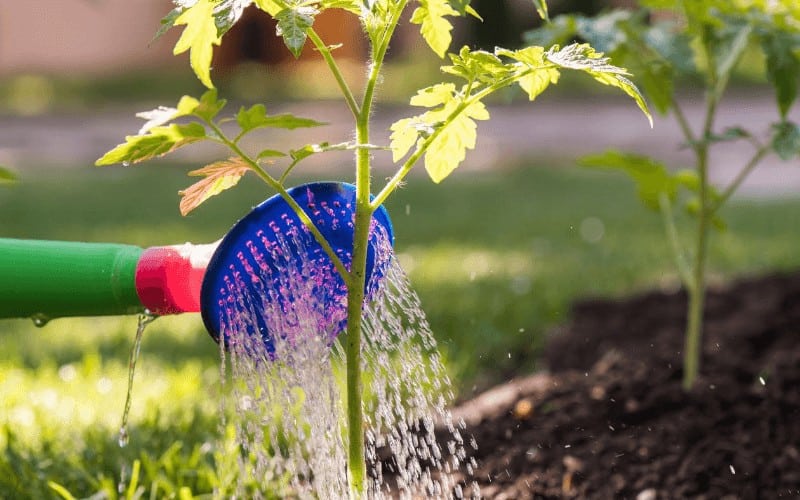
496, 258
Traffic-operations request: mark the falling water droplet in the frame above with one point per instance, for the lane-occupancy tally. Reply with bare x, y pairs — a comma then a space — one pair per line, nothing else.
39, 320
123, 477
123, 437
126, 164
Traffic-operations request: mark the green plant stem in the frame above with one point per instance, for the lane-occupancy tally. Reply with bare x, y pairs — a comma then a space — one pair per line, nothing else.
684, 124
684, 270
740, 177
357, 467
696, 292
337, 73
356, 280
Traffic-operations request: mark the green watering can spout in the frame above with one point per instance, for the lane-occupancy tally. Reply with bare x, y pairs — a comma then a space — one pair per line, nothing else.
43, 280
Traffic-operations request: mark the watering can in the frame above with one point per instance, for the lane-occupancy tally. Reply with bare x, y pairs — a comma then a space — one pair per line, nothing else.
43, 280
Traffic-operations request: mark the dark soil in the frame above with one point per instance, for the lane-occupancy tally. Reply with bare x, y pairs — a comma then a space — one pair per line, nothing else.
610, 419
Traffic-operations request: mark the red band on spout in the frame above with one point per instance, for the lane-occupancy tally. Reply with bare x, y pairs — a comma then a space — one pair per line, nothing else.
167, 282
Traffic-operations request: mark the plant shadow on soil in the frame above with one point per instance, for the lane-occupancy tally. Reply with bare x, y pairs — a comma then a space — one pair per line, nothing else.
611, 420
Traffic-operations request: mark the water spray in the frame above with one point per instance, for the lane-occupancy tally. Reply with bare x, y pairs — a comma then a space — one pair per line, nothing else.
44, 280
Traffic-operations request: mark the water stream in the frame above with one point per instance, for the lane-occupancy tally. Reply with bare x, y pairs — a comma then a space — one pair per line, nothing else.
123, 437
285, 399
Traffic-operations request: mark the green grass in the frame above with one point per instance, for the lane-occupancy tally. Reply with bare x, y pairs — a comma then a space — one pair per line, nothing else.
495, 257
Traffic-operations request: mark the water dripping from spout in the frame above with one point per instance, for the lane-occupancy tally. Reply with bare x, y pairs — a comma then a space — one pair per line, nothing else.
123, 436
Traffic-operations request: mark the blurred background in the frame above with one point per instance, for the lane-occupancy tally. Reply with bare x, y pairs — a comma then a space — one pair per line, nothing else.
497, 253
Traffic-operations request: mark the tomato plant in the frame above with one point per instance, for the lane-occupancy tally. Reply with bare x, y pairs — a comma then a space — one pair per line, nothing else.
438, 137
668, 42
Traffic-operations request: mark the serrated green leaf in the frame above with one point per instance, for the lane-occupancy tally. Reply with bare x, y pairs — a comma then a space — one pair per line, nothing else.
786, 140
783, 67
478, 65
157, 142
657, 80
271, 7
199, 37
729, 46
559, 31
404, 136
163, 114
607, 32
730, 134
292, 25
583, 57
535, 75
156, 117
252, 118
187, 105
217, 177
290, 122
672, 45
227, 12
353, 6
541, 9
434, 95
269, 153
167, 22
208, 107
651, 177
435, 29
463, 8
257, 117
448, 149
7, 176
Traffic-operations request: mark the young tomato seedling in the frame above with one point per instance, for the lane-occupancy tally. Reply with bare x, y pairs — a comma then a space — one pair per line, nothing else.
669, 41
439, 136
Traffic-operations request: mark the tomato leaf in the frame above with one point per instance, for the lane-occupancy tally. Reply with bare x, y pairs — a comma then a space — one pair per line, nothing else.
208, 107
541, 9
271, 7
353, 6
257, 117
783, 67
199, 37
158, 141
452, 121
227, 12
786, 140
167, 22
405, 134
292, 25
435, 29
477, 65
269, 153
449, 148
535, 73
217, 177
651, 177
582, 57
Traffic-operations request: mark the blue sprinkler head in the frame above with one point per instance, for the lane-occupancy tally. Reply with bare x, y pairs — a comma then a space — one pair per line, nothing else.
257, 260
